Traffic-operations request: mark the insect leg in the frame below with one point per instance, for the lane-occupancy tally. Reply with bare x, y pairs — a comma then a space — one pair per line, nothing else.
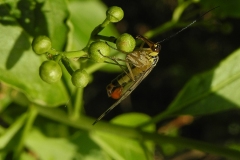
116, 61
130, 71
142, 45
145, 40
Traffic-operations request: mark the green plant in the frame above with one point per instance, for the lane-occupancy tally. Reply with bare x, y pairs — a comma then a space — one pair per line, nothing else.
44, 121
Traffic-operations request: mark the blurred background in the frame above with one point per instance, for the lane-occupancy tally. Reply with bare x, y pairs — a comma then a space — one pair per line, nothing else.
198, 48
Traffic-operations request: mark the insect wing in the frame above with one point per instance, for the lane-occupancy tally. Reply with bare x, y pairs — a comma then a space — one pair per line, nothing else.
127, 90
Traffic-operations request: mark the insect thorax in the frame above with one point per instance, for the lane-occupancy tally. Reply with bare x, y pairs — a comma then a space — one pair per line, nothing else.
142, 59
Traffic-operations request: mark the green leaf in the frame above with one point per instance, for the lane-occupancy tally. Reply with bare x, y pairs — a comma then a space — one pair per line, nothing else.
132, 120
210, 92
91, 151
50, 148
130, 132
26, 156
84, 17
45, 17
19, 68
56, 13
19, 65
126, 148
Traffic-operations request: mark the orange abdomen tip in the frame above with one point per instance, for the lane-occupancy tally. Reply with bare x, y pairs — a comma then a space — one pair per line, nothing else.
117, 93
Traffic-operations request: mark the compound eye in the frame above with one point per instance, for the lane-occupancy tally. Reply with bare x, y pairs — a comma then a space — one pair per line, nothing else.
156, 47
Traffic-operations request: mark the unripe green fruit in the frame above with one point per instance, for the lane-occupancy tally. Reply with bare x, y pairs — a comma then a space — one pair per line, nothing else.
80, 78
97, 49
115, 14
41, 44
125, 43
50, 71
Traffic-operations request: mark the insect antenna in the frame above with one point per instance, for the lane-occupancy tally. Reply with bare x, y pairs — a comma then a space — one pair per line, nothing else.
166, 39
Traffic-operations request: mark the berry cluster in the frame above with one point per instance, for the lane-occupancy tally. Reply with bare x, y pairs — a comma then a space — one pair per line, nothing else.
97, 50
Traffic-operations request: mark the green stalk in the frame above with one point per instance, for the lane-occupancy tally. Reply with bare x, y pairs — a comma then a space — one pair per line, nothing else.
174, 23
74, 54
94, 67
180, 9
68, 87
12, 131
86, 123
96, 30
78, 103
193, 144
99, 28
32, 114
106, 38
66, 64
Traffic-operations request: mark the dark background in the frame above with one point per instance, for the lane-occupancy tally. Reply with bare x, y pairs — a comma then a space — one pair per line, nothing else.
196, 49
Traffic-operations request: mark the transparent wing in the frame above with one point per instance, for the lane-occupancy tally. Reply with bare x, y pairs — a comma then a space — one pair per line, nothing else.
128, 91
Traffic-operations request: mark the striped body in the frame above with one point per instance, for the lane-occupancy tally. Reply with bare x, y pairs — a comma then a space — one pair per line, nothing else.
140, 62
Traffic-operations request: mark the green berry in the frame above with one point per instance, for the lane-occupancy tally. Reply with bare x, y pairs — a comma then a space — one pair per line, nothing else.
125, 43
97, 50
50, 71
80, 78
115, 14
41, 44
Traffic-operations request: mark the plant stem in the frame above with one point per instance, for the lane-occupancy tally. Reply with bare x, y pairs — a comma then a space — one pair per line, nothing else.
85, 123
193, 144
164, 28
32, 114
77, 104
52, 51
179, 10
94, 67
66, 64
106, 38
99, 28
74, 54
174, 23
69, 88
12, 131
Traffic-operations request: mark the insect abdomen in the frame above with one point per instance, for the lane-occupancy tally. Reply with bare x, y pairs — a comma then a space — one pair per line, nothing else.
115, 88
